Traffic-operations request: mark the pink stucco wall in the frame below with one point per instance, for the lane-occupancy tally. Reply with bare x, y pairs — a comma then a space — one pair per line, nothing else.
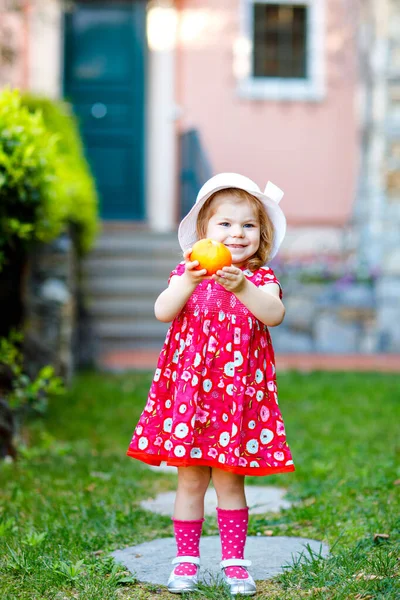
13, 39
307, 148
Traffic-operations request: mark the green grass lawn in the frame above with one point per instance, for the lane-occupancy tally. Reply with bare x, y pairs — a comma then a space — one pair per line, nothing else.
73, 496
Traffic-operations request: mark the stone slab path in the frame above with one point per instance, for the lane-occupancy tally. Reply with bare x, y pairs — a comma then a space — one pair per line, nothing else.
260, 499
151, 562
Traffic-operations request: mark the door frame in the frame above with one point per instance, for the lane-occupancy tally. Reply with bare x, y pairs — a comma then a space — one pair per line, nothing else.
143, 66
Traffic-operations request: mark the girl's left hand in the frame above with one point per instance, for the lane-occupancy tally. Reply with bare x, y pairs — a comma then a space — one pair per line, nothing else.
231, 278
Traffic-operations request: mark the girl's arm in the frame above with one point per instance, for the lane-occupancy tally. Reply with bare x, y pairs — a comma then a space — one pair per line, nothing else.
171, 301
263, 302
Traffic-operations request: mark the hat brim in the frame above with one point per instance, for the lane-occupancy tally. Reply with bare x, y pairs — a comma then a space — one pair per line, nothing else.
187, 234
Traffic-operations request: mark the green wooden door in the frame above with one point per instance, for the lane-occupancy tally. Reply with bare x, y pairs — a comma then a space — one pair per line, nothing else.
104, 80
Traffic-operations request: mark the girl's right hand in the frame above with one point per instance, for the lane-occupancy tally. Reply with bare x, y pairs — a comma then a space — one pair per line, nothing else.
193, 275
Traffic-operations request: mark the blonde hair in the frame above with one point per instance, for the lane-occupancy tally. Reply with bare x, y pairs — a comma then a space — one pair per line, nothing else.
209, 208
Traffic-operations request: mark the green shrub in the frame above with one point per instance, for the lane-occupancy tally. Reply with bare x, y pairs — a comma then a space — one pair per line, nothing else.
27, 395
73, 168
44, 180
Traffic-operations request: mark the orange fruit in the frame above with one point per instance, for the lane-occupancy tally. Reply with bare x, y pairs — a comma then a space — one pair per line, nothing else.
211, 255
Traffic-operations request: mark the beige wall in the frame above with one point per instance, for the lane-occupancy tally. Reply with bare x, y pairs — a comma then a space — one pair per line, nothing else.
306, 147
13, 32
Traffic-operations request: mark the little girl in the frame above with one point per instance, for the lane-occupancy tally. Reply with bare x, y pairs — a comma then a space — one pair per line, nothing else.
212, 409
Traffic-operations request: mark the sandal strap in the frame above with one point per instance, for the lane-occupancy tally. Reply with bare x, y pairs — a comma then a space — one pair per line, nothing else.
194, 560
235, 562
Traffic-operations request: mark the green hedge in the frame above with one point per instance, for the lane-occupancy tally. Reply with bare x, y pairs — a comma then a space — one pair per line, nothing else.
45, 181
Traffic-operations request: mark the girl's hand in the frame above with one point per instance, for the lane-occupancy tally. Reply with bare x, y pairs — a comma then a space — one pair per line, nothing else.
193, 275
231, 278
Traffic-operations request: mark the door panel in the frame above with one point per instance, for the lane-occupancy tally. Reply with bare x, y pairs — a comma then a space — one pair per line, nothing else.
104, 79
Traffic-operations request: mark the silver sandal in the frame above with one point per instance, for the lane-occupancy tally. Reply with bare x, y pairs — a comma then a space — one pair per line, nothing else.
178, 584
247, 587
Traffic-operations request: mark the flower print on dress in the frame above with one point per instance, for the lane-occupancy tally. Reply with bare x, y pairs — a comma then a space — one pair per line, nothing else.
207, 385
196, 453
280, 428
206, 326
252, 446
229, 369
150, 405
224, 439
143, 443
279, 456
259, 376
215, 376
238, 358
264, 414
201, 415
168, 425
212, 344
181, 431
266, 436
180, 451
250, 391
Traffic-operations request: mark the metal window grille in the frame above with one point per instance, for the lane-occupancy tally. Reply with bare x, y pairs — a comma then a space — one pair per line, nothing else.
280, 44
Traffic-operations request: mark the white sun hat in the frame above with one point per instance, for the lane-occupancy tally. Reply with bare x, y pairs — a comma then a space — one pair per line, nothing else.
271, 197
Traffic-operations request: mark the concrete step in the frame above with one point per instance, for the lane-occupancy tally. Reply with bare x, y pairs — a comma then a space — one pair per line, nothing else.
154, 345
130, 329
122, 278
121, 307
118, 287
135, 266
121, 243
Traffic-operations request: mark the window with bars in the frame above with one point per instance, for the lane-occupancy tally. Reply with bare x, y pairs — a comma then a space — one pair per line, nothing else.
279, 40
280, 53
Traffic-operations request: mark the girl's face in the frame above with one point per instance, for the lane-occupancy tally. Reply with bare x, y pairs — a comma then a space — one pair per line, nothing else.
235, 224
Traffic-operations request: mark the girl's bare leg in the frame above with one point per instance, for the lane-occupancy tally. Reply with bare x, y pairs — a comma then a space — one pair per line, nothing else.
229, 488
192, 486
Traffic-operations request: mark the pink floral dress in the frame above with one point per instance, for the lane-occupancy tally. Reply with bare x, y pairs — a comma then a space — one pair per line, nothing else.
213, 400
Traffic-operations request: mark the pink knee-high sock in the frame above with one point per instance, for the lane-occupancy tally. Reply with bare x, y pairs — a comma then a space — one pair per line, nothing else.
233, 531
187, 536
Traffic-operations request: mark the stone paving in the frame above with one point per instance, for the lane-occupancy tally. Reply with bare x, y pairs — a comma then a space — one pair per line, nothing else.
151, 562
260, 499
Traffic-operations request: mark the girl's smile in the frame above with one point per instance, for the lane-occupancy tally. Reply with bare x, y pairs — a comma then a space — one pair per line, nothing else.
235, 224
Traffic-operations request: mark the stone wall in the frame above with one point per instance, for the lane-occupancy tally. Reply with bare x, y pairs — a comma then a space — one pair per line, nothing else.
50, 306
344, 297
328, 317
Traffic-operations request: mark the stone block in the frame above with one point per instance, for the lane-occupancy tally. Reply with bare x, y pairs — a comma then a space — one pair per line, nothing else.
359, 295
287, 341
388, 290
333, 336
355, 314
299, 313
388, 316
391, 264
